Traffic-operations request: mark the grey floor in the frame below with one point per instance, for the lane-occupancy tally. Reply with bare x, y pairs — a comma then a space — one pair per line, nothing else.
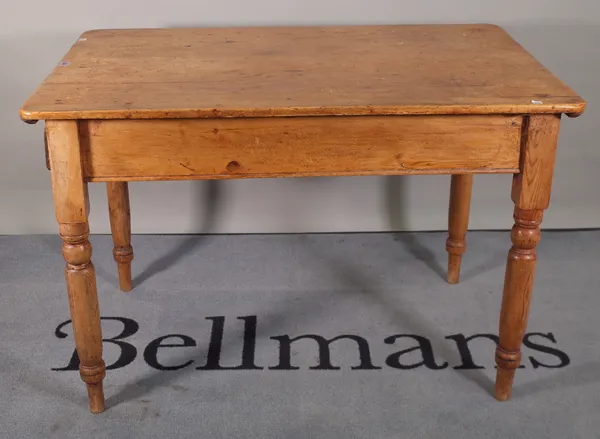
372, 286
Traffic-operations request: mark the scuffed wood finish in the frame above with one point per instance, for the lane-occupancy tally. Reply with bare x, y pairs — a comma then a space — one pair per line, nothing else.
120, 226
458, 221
71, 201
531, 195
298, 71
277, 147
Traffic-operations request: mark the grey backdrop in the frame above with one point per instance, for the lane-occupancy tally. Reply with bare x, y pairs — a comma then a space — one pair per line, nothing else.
34, 35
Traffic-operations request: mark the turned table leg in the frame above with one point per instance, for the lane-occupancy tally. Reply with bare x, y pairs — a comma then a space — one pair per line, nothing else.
458, 221
531, 195
120, 225
71, 206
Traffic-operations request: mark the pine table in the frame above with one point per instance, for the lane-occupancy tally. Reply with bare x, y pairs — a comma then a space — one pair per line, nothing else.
179, 104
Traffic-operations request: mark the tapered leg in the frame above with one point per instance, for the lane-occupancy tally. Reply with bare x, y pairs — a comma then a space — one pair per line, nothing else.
71, 206
458, 221
518, 285
531, 195
120, 225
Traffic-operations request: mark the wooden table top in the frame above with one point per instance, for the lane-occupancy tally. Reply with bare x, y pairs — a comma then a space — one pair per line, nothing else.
298, 71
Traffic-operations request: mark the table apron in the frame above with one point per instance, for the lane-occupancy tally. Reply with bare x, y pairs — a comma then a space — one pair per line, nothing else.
183, 149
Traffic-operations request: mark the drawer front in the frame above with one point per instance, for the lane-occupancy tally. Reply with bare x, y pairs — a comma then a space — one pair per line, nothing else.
298, 146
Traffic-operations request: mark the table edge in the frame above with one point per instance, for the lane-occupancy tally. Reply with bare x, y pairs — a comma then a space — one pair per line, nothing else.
571, 109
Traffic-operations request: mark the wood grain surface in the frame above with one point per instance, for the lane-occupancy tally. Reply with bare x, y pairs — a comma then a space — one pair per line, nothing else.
71, 207
461, 186
299, 146
298, 71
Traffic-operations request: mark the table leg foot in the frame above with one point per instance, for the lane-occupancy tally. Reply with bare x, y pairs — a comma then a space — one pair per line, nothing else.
124, 270
504, 381
454, 262
507, 363
96, 397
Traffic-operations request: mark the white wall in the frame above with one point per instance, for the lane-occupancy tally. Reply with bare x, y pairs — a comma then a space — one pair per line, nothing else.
564, 35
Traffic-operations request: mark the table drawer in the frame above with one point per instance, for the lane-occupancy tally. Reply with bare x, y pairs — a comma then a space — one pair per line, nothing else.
298, 146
